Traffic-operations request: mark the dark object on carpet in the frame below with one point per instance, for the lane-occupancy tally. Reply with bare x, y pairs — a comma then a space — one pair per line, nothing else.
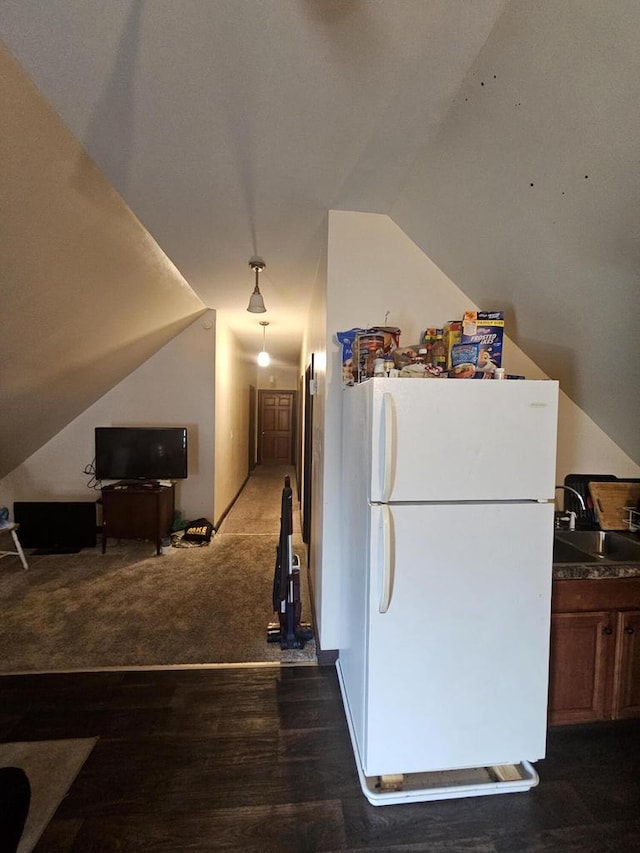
56, 549
45, 524
15, 797
199, 531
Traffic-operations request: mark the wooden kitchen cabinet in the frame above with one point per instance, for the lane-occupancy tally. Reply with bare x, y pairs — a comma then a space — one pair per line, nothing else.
627, 689
137, 512
580, 655
594, 669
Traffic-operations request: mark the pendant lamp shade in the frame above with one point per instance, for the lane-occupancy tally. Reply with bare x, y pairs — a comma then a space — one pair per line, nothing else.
256, 302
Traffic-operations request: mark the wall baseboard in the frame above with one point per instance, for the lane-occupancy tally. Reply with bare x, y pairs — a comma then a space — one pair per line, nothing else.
217, 524
326, 657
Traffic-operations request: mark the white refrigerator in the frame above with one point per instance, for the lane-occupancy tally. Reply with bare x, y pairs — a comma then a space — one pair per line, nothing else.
447, 539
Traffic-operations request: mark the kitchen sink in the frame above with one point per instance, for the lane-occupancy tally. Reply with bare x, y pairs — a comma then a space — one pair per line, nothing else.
563, 552
595, 545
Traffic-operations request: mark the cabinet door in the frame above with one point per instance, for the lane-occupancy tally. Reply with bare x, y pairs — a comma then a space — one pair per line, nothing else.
582, 646
627, 671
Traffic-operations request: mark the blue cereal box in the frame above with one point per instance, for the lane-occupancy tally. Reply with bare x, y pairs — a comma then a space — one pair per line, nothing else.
486, 329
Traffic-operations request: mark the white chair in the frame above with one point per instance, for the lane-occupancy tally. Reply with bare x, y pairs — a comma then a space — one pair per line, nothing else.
13, 529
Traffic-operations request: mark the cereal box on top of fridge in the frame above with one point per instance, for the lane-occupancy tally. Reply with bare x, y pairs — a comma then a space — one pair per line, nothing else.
485, 328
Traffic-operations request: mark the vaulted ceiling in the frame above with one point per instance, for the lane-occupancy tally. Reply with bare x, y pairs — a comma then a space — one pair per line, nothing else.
502, 137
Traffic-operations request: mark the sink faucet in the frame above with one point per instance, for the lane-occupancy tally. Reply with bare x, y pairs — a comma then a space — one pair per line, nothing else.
572, 514
577, 494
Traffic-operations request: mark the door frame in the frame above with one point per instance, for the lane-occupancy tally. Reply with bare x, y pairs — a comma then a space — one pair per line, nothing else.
252, 428
307, 440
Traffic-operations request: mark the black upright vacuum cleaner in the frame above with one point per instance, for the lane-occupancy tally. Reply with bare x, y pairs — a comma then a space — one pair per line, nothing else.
289, 631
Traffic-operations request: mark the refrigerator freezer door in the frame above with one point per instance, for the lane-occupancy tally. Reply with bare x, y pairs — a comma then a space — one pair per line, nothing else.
453, 440
456, 667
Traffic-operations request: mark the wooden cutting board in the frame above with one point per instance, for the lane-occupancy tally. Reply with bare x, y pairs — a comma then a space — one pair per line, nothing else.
610, 501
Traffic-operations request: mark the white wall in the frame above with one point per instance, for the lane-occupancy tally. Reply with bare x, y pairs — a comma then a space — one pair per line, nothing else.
583, 448
277, 378
315, 343
374, 268
175, 387
235, 372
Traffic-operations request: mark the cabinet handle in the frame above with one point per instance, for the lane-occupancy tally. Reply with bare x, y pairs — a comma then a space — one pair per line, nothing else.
607, 630
628, 630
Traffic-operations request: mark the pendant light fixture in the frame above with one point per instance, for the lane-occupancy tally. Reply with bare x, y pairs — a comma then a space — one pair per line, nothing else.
263, 357
256, 303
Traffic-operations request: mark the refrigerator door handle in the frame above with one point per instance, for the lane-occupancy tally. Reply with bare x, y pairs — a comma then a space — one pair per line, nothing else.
388, 446
387, 565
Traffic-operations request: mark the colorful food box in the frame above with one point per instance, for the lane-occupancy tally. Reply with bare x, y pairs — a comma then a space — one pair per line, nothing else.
486, 329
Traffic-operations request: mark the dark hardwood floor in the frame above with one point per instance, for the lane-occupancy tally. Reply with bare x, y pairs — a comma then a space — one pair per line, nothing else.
259, 759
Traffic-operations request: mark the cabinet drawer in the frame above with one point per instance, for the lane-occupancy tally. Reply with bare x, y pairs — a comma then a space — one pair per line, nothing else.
589, 595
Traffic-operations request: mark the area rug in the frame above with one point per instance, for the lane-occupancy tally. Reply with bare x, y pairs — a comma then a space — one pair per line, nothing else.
51, 766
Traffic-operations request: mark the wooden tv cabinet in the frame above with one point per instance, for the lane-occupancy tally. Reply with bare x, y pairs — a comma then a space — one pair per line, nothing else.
137, 511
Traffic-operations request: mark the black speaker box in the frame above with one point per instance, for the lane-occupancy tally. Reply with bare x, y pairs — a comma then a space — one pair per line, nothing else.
62, 527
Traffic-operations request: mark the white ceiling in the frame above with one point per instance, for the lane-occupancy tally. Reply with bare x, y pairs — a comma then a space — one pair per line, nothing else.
230, 127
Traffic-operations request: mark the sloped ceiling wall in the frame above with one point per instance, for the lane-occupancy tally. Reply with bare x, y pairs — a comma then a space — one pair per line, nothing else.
529, 197
232, 127
87, 295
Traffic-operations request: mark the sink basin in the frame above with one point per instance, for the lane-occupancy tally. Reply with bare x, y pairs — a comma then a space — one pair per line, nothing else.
563, 552
599, 544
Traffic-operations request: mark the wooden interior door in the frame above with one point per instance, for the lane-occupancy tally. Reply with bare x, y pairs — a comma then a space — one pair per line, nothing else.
276, 440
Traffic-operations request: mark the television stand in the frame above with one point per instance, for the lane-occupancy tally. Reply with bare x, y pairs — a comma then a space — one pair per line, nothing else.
137, 511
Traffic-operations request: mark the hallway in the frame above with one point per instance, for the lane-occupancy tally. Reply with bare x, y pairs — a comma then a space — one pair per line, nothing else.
257, 509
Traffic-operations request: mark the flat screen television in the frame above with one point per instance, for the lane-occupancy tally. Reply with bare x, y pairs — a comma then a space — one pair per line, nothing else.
141, 453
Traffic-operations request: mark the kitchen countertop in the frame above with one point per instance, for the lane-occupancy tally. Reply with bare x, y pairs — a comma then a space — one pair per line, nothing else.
591, 571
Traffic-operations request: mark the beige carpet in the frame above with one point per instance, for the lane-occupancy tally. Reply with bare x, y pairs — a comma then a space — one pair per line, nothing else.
257, 510
51, 766
128, 607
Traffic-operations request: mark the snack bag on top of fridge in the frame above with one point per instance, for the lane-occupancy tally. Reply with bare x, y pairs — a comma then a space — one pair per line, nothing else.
464, 358
370, 344
452, 335
347, 340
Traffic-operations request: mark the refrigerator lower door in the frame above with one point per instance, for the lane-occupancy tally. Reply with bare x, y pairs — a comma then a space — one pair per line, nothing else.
456, 665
